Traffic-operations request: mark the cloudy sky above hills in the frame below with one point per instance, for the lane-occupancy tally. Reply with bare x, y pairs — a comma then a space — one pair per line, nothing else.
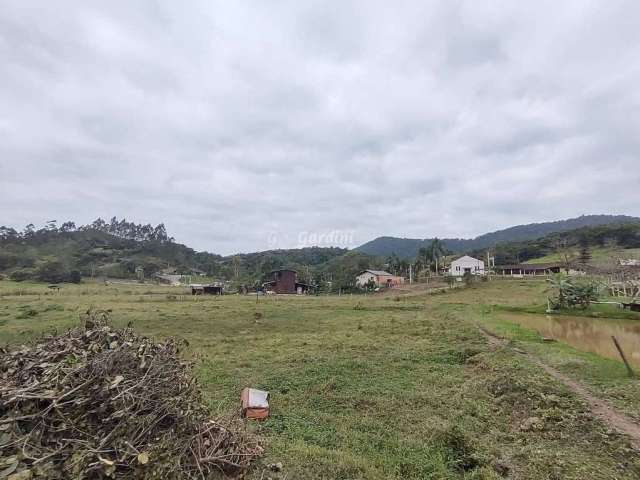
252, 125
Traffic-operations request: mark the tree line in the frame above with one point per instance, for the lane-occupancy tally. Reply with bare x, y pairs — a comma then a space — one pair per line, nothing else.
564, 244
118, 228
428, 259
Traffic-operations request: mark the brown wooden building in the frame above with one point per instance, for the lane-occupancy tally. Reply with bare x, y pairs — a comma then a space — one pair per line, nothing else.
285, 281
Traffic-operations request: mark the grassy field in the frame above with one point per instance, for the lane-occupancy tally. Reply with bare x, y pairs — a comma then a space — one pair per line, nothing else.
393, 386
600, 256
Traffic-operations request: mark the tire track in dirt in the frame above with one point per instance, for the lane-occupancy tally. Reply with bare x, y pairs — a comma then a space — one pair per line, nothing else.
599, 407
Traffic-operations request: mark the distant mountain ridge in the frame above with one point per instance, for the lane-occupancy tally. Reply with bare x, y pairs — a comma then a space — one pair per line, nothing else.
408, 247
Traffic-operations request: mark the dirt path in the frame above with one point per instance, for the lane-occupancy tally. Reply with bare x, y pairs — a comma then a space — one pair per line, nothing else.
599, 407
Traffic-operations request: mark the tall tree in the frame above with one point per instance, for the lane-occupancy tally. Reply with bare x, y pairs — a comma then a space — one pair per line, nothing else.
565, 252
436, 252
584, 258
424, 259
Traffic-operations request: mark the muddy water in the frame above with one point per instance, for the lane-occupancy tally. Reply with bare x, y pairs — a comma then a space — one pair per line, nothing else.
585, 333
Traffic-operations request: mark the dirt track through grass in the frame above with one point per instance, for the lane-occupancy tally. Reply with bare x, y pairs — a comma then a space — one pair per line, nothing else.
599, 407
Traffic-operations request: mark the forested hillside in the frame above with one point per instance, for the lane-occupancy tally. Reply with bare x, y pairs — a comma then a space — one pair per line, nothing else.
567, 244
408, 247
114, 249
121, 249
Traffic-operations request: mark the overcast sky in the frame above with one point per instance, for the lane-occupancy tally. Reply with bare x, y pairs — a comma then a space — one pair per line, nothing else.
245, 126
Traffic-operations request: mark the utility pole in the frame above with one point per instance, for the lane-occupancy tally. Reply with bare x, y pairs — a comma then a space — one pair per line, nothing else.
488, 272
410, 274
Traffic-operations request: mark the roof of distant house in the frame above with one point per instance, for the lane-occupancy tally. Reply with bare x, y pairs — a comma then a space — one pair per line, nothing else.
528, 266
284, 270
376, 272
467, 257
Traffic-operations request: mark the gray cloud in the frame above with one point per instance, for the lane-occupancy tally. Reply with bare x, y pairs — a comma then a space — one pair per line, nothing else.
246, 126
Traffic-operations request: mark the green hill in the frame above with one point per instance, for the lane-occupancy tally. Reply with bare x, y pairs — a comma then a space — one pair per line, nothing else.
116, 249
603, 244
121, 249
408, 247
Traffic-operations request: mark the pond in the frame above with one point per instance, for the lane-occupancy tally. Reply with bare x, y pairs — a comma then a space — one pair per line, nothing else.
585, 333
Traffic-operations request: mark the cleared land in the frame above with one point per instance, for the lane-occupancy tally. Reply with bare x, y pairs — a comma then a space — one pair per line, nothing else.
380, 386
600, 256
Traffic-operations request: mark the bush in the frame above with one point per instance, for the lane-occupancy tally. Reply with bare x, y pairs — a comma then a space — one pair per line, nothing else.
7, 260
370, 286
52, 272
22, 275
75, 276
56, 272
573, 295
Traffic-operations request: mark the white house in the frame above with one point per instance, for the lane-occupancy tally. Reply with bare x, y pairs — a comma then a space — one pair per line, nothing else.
466, 264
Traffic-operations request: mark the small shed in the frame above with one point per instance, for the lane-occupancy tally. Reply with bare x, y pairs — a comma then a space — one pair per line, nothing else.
212, 289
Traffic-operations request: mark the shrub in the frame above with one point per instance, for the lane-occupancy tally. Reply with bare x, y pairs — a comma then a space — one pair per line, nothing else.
22, 275
75, 276
7, 260
56, 272
52, 272
573, 294
370, 286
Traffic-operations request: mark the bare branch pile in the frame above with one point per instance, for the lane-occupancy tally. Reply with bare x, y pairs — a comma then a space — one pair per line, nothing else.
98, 402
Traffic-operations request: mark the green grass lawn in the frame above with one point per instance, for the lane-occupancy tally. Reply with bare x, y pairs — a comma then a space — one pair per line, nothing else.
393, 386
599, 255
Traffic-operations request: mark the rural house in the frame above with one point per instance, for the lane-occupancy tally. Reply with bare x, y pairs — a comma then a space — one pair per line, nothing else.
379, 277
466, 264
285, 281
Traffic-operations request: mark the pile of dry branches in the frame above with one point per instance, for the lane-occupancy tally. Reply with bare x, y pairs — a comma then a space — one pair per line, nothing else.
99, 402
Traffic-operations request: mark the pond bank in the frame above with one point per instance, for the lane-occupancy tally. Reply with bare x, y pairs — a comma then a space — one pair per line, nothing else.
587, 334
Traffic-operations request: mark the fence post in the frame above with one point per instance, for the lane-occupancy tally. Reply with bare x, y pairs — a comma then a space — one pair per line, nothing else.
624, 359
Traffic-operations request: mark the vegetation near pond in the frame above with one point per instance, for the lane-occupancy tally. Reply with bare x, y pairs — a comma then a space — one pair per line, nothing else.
573, 293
